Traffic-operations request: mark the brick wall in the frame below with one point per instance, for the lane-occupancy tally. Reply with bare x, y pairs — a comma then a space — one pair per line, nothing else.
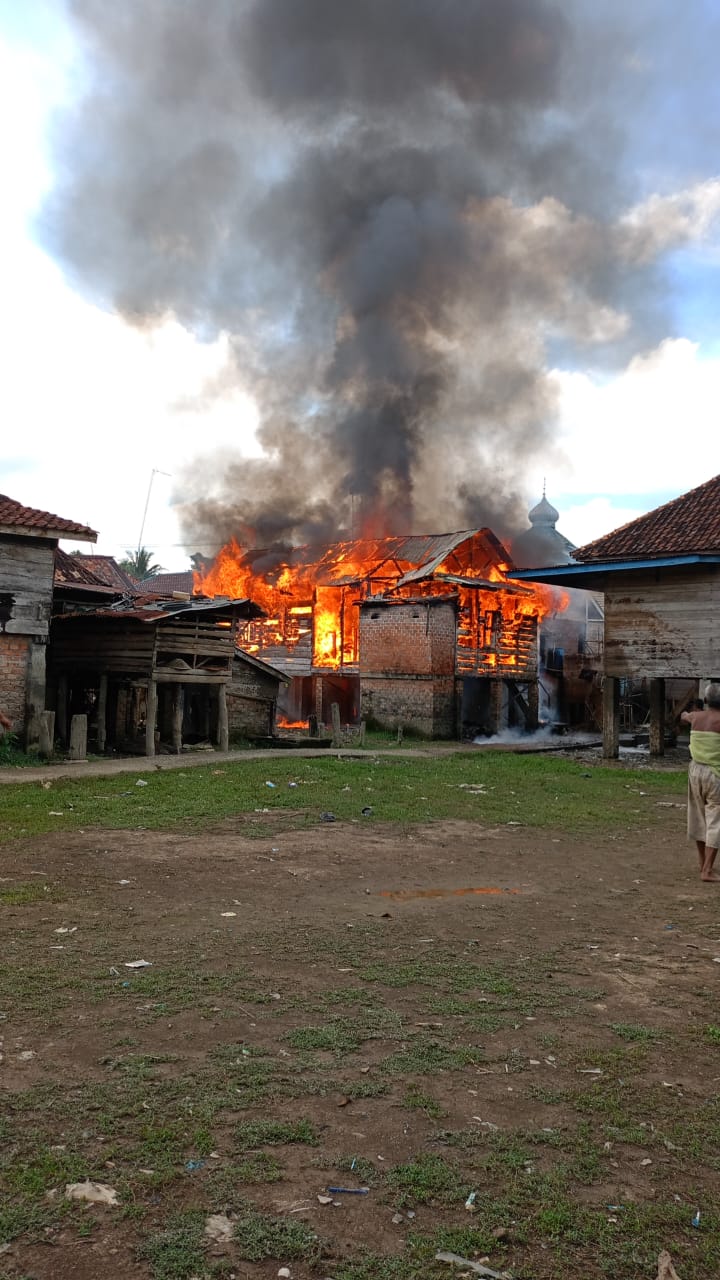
409, 638
407, 665
249, 717
14, 658
251, 699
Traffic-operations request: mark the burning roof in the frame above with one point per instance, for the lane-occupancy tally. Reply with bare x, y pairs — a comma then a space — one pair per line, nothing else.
311, 595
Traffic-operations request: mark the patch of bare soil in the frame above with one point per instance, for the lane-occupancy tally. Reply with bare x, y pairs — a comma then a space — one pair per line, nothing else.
351, 978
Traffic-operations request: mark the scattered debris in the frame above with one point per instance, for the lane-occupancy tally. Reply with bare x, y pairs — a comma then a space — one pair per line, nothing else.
589, 1071
397, 1219
325, 1199
349, 1191
696, 1219
63, 929
193, 1165
228, 914
470, 1202
666, 1270
479, 1268
271, 784
123, 882
284, 1273
93, 1192
138, 964
27, 1055
367, 812
328, 817
219, 1228
141, 782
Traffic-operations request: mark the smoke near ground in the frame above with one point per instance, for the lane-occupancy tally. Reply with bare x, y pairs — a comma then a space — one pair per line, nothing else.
399, 212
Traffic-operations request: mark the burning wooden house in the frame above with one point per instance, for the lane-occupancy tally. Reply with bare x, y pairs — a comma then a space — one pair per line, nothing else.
150, 674
427, 632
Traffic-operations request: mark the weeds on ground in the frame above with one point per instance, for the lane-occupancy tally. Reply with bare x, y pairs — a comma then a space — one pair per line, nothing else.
534, 791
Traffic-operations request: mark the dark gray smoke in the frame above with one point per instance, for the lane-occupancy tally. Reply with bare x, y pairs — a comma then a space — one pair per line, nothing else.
391, 206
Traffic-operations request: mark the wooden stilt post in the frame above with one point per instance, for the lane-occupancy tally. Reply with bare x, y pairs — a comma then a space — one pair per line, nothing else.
78, 738
223, 730
336, 728
102, 714
150, 718
657, 717
46, 728
611, 718
61, 712
178, 710
497, 693
533, 705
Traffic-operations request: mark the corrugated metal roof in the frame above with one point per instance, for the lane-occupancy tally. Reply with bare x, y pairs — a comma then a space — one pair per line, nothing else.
16, 518
243, 656
342, 563
689, 524
156, 610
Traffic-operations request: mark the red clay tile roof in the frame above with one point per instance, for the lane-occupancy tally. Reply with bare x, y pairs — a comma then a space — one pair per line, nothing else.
19, 519
73, 571
689, 524
166, 583
108, 571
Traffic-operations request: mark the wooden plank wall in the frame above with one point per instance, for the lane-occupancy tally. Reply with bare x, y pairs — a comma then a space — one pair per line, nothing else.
88, 645
26, 582
663, 623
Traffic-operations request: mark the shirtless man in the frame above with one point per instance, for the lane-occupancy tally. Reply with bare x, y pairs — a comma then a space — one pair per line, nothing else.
704, 780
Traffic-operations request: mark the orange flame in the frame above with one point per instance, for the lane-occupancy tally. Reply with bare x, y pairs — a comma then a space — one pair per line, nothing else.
314, 606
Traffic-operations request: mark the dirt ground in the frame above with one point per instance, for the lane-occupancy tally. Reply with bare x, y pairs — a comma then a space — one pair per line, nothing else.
445, 994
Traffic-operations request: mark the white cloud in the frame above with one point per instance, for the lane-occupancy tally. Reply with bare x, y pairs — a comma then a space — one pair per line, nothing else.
91, 407
583, 522
652, 428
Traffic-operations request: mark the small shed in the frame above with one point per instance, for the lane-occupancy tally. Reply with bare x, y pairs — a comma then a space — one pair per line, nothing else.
28, 543
252, 696
660, 576
150, 675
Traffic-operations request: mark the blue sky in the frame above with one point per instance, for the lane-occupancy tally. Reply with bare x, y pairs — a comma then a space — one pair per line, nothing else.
82, 389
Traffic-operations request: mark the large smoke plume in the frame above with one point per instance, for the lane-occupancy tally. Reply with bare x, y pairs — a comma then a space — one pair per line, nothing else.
392, 207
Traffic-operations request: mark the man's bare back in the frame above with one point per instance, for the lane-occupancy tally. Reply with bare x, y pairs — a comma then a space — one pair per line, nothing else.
707, 721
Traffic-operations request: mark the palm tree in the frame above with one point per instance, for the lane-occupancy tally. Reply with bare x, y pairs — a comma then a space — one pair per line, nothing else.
139, 564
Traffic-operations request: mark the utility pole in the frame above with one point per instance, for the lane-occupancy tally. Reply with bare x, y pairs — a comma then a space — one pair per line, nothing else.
155, 472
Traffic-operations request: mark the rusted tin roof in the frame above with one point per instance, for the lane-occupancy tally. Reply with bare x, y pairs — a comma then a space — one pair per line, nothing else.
157, 610
689, 524
241, 655
342, 563
15, 518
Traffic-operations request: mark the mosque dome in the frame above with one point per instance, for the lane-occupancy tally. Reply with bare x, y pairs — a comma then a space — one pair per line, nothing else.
543, 515
542, 544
